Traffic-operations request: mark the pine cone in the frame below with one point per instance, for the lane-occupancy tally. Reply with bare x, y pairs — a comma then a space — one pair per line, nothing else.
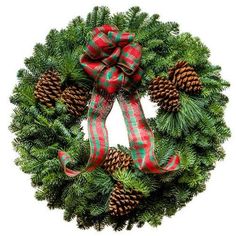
116, 159
123, 201
48, 88
76, 99
163, 92
185, 78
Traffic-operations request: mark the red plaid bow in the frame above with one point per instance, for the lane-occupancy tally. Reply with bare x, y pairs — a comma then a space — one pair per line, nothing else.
112, 59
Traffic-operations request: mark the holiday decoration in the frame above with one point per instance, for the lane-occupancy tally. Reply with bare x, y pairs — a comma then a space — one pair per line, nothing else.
76, 76
48, 88
76, 99
185, 78
112, 59
123, 202
163, 92
116, 159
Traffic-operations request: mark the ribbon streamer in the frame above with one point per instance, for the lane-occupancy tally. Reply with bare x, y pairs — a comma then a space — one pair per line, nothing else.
112, 59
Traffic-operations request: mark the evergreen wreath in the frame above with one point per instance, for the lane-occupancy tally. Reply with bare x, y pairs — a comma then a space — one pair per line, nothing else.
55, 93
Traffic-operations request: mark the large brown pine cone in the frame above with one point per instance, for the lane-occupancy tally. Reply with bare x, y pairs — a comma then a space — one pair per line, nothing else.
48, 88
185, 78
76, 99
123, 201
163, 92
117, 159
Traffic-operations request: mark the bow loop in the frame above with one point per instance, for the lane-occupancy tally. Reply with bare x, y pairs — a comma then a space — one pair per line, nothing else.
130, 64
105, 29
101, 46
113, 58
121, 39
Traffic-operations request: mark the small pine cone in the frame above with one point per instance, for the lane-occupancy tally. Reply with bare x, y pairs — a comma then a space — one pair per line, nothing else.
185, 78
116, 159
123, 201
48, 88
163, 92
76, 99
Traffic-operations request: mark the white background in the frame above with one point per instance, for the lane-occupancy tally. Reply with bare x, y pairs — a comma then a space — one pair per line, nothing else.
26, 22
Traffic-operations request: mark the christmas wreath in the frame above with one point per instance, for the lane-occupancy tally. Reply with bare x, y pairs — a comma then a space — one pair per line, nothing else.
76, 75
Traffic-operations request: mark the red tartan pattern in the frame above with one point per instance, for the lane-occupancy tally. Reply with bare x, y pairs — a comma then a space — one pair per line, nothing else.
112, 59
141, 137
98, 111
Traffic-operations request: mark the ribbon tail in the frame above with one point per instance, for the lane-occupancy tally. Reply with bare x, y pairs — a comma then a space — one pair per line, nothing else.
172, 165
141, 137
99, 109
64, 159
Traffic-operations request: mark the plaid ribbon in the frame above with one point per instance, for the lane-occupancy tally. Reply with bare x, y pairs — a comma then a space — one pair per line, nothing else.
112, 59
